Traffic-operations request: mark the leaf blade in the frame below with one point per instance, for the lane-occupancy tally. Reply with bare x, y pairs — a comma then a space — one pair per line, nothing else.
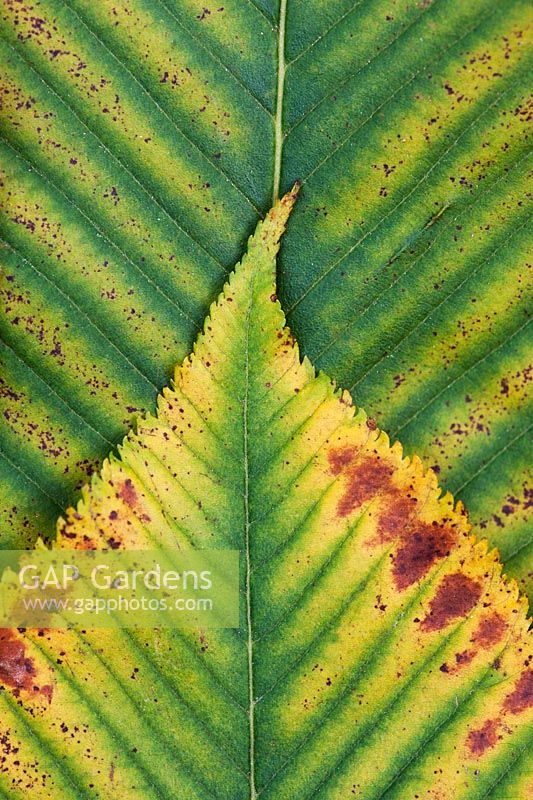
384, 564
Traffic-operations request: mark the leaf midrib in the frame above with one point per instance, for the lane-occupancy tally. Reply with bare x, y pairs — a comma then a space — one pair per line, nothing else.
248, 594
278, 151
279, 137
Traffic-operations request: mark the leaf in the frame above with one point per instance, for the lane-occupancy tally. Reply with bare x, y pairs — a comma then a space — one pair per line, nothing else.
141, 143
380, 655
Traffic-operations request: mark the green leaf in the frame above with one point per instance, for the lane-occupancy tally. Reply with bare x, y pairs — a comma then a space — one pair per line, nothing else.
380, 653
140, 144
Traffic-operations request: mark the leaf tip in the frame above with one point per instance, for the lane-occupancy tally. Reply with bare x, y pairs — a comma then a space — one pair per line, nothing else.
280, 212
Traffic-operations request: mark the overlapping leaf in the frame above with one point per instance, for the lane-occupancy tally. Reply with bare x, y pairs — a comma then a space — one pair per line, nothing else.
380, 655
141, 141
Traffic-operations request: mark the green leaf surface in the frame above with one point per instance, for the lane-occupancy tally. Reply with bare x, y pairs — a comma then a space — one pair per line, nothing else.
380, 653
140, 143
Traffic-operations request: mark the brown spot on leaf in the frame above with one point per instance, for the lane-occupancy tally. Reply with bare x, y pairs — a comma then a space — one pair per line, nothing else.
365, 479
128, 493
396, 516
490, 631
464, 657
481, 740
522, 697
455, 597
47, 691
114, 543
17, 670
421, 548
421, 543
341, 458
